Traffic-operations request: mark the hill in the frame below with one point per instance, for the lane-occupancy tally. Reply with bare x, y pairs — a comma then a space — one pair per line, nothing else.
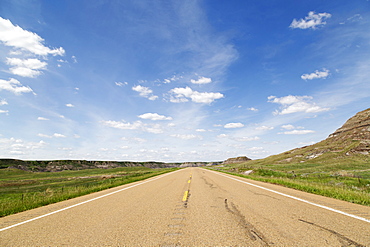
337, 167
350, 144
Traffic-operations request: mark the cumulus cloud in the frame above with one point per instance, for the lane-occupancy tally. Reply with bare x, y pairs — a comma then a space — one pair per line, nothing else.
123, 125
288, 127
14, 86
70, 105
19, 146
18, 38
293, 104
297, 132
42, 119
121, 84
311, 21
154, 116
171, 79
201, 80
264, 128
179, 95
252, 109
246, 139
200, 130
233, 125
4, 111
186, 137
3, 102
316, 75
138, 125
74, 59
55, 135
26, 67
145, 92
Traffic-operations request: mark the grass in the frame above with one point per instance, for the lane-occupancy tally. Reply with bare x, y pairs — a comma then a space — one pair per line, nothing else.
22, 190
347, 182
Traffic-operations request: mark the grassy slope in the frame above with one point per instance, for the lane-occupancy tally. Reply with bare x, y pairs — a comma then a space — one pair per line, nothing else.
333, 173
22, 190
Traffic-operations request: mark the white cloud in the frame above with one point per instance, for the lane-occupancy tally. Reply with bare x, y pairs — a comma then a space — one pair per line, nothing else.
145, 92
264, 128
186, 137
179, 95
42, 119
121, 84
70, 105
74, 59
26, 67
297, 132
138, 125
222, 136
123, 125
154, 116
55, 135
3, 102
252, 109
233, 125
153, 97
201, 80
15, 36
316, 75
246, 139
4, 111
200, 130
293, 104
311, 21
14, 86
173, 78
288, 127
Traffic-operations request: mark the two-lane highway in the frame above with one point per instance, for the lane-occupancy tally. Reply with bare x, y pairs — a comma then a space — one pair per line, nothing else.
192, 207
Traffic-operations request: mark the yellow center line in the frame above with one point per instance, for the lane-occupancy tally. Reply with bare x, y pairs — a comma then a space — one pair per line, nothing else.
185, 197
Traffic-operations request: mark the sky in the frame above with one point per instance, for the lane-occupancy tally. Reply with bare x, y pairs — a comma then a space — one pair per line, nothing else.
178, 81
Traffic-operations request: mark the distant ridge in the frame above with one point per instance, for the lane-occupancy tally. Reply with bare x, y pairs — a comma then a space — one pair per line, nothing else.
62, 165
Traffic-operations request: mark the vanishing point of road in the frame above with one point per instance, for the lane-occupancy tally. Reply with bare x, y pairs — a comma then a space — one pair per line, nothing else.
192, 207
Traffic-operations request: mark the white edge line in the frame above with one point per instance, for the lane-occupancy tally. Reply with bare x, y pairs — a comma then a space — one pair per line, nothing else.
297, 198
78, 204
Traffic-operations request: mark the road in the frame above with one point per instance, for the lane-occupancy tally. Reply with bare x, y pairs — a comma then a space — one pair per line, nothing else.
192, 207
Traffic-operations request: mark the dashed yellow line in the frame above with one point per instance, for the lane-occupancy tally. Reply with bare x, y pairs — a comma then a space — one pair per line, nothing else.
185, 197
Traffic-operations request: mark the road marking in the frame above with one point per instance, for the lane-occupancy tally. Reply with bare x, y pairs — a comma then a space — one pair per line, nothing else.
189, 181
185, 197
297, 198
78, 204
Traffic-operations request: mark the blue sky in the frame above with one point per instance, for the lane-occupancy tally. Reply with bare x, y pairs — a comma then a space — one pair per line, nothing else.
178, 81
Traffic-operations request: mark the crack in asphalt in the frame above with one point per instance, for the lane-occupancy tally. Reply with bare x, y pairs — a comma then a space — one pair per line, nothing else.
251, 231
343, 239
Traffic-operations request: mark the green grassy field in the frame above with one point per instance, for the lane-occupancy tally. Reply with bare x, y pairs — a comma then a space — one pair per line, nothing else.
22, 190
341, 180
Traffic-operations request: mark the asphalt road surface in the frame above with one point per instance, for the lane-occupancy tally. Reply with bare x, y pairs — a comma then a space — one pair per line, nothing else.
192, 207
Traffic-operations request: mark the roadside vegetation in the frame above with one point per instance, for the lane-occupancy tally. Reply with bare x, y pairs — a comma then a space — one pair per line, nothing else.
23, 190
348, 181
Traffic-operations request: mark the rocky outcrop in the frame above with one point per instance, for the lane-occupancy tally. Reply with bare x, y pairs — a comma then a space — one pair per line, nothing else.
357, 128
240, 159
